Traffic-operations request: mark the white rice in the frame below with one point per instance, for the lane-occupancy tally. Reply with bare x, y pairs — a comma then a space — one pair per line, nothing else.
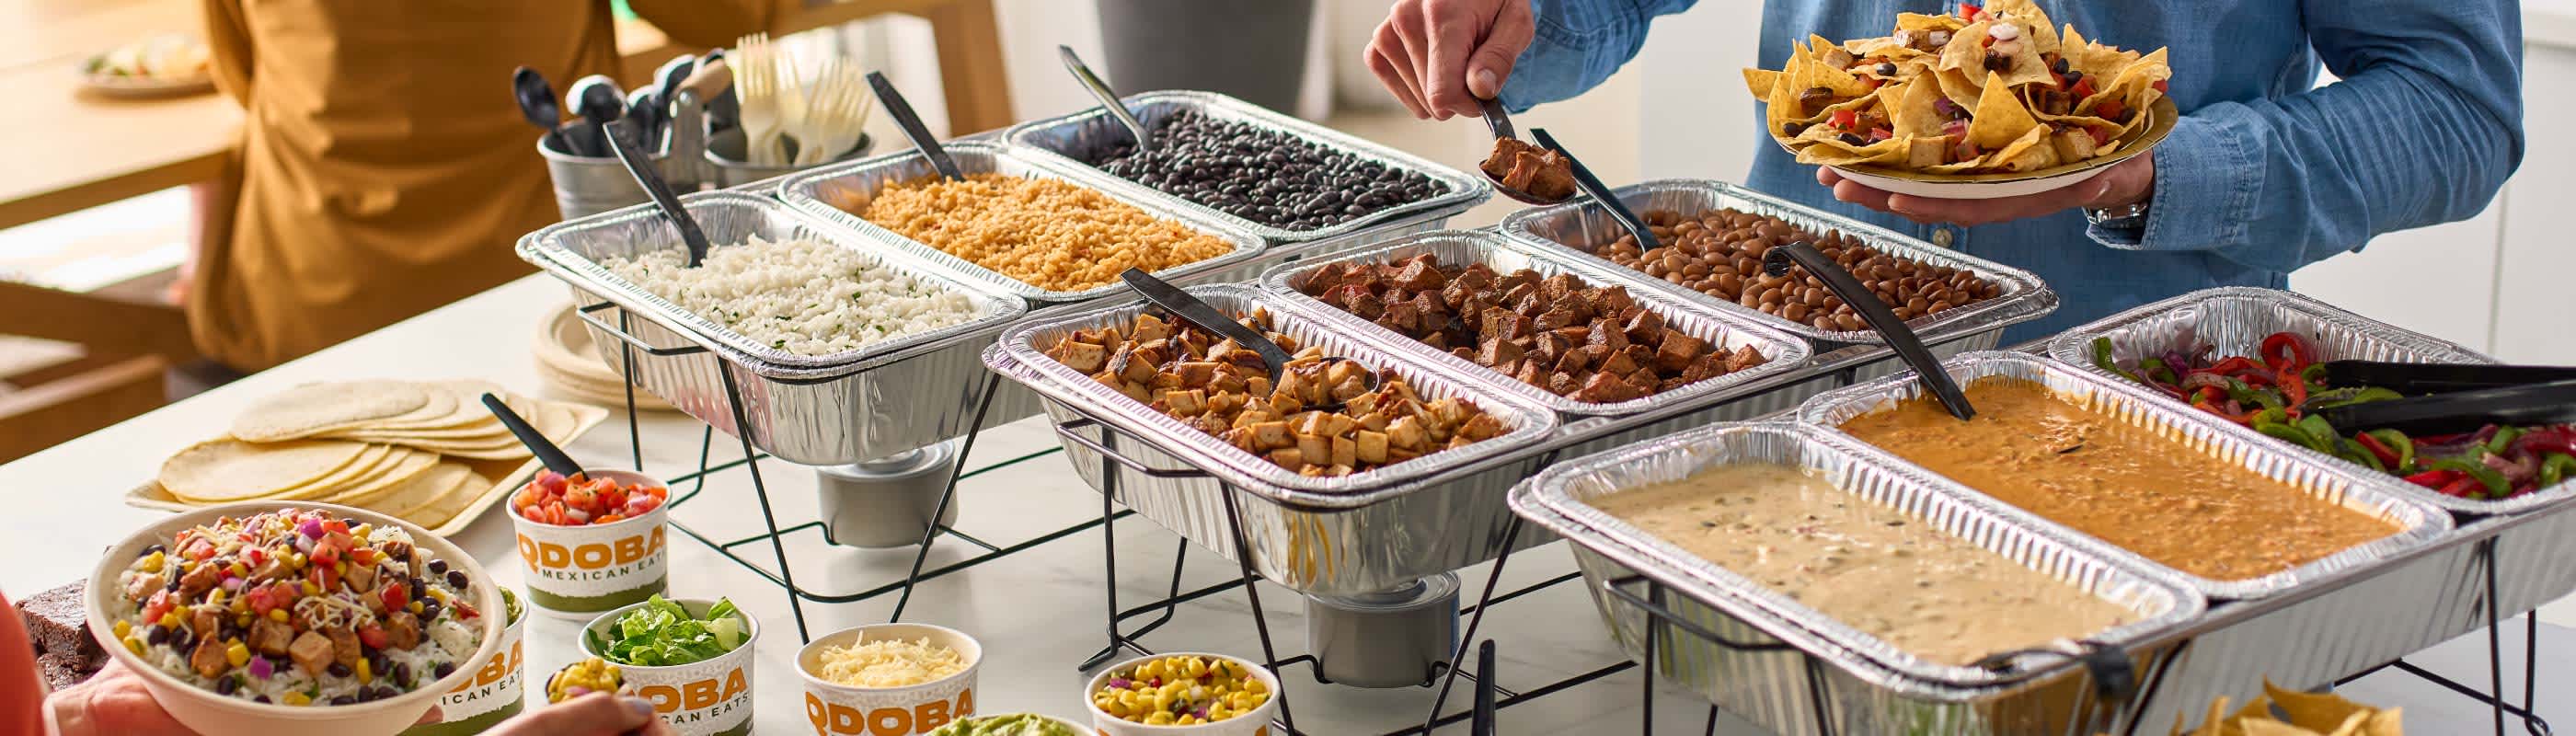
803, 296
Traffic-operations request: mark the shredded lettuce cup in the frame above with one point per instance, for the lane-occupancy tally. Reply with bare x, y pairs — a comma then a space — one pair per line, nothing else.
662, 634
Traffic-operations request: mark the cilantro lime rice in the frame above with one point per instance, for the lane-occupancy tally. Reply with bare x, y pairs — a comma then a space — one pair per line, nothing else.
298, 607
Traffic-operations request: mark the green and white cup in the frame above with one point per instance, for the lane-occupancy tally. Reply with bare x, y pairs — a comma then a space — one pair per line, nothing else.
583, 570
710, 698
496, 693
848, 710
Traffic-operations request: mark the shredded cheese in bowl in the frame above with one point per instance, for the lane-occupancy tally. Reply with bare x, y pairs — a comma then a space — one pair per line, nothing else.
888, 663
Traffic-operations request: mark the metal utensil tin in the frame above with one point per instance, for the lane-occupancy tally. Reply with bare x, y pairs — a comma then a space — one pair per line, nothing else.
886, 502
1391, 638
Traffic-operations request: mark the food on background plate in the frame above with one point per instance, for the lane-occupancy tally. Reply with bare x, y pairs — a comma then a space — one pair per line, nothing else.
1181, 690
1266, 176
1719, 253
164, 57
295, 606
1989, 89
2310, 714
550, 498
1589, 343
887, 663
1012, 724
661, 634
423, 451
1048, 233
2168, 501
2278, 393
804, 296
1221, 388
1543, 173
57, 623
1843, 555
583, 677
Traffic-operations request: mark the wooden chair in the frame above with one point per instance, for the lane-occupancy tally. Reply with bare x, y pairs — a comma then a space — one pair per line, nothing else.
129, 346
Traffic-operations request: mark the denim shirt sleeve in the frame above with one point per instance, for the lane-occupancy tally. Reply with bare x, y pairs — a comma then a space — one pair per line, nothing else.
1577, 44
2423, 128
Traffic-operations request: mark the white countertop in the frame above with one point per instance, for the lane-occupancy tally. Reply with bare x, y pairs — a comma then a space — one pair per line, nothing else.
1037, 613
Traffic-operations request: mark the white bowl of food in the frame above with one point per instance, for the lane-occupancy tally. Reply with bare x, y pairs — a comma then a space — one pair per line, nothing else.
322, 618
881, 679
692, 658
1194, 693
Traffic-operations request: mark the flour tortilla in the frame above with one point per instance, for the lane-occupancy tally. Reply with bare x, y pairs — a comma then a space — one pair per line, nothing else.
320, 407
443, 506
228, 469
407, 467
421, 488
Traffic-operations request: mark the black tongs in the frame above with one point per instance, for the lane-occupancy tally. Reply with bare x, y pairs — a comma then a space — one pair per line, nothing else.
2461, 411
2417, 379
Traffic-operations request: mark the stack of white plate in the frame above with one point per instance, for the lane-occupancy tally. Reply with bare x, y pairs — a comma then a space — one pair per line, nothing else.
569, 362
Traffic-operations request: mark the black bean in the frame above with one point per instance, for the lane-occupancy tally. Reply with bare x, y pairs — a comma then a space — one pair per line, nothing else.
1888, 68
1855, 139
226, 686
2073, 76
2061, 67
1266, 176
160, 635
402, 675
438, 567
147, 551
443, 670
260, 699
338, 670
343, 700
456, 579
1793, 128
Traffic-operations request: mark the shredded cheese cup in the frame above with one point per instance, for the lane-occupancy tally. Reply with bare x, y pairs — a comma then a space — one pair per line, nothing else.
889, 663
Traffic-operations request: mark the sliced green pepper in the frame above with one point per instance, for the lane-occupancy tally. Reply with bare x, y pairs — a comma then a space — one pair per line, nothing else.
2271, 414
2399, 442
2316, 426
2292, 433
2503, 438
2353, 451
2494, 481
2155, 368
2314, 373
2556, 468
2102, 359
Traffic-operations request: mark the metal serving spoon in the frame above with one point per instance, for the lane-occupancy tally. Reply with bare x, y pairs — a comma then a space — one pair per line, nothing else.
1591, 185
905, 118
1108, 99
1499, 121
1274, 359
1908, 346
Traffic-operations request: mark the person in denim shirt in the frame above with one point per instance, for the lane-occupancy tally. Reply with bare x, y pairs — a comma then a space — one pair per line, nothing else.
2265, 172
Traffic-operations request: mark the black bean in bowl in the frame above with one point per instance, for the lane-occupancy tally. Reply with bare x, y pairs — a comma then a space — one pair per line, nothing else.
1266, 176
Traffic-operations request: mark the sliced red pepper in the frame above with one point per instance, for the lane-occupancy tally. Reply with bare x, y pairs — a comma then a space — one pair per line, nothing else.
2462, 487
2387, 455
1880, 134
1846, 118
2107, 109
2101, 136
2083, 88
2295, 390
1969, 12
2159, 85
2288, 352
373, 636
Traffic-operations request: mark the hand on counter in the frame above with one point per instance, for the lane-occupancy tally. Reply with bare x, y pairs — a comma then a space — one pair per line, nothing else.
2125, 183
1440, 56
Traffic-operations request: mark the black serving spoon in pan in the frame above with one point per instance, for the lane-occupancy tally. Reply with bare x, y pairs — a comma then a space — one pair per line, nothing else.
1274, 359
622, 142
545, 450
910, 121
2461, 411
1908, 346
1591, 185
1499, 122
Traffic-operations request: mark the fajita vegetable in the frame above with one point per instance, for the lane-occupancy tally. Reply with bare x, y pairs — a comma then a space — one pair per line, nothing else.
1988, 89
662, 634
2278, 393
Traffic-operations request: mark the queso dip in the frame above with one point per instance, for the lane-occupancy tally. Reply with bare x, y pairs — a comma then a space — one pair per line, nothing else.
1870, 566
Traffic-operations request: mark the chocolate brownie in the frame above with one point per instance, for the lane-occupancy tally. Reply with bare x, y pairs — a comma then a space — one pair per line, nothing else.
59, 621
62, 671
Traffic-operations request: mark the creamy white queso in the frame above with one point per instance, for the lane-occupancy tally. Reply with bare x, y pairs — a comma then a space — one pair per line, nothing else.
1870, 566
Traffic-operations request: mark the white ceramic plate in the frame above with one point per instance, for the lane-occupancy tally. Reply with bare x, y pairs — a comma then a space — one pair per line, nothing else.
1992, 186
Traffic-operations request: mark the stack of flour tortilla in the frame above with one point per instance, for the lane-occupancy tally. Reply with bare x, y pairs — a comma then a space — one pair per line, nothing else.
418, 450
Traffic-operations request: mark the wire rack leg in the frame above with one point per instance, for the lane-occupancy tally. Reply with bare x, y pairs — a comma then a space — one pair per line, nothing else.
1252, 590
1654, 641
786, 572
634, 428
1108, 552
930, 531
1511, 535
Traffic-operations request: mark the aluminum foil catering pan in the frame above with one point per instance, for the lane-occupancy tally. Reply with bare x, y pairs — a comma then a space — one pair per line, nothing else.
824, 192
572, 251
1581, 227
2418, 522
1529, 423
1078, 137
1458, 248
2153, 600
2234, 320
1779, 395
1392, 541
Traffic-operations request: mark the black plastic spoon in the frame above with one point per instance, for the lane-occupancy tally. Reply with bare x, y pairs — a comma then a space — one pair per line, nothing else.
1908, 346
1274, 359
538, 445
671, 74
642, 169
599, 102
1600, 192
2432, 378
905, 118
536, 99
1481, 720
1108, 98
2461, 411
1499, 122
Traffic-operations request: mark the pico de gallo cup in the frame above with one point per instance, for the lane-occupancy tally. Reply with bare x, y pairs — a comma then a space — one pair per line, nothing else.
1254, 722
498, 690
586, 569
214, 714
706, 698
849, 710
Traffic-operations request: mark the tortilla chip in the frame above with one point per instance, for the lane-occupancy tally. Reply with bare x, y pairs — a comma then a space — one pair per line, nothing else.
2316, 711
1914, 109
2268, 727
2351, 726
2390, 722
1928, 22
2000, 117
1841, 82
1966, 51
1884, 47
2033, 21
1835, 152
1760, 81
1959, 87
2030, 152
2093, 59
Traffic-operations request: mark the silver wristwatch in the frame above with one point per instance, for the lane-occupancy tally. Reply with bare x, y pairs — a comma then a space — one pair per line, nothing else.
2132, 216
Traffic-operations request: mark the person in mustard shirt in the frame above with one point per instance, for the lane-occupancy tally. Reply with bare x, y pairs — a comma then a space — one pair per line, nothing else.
383, 167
